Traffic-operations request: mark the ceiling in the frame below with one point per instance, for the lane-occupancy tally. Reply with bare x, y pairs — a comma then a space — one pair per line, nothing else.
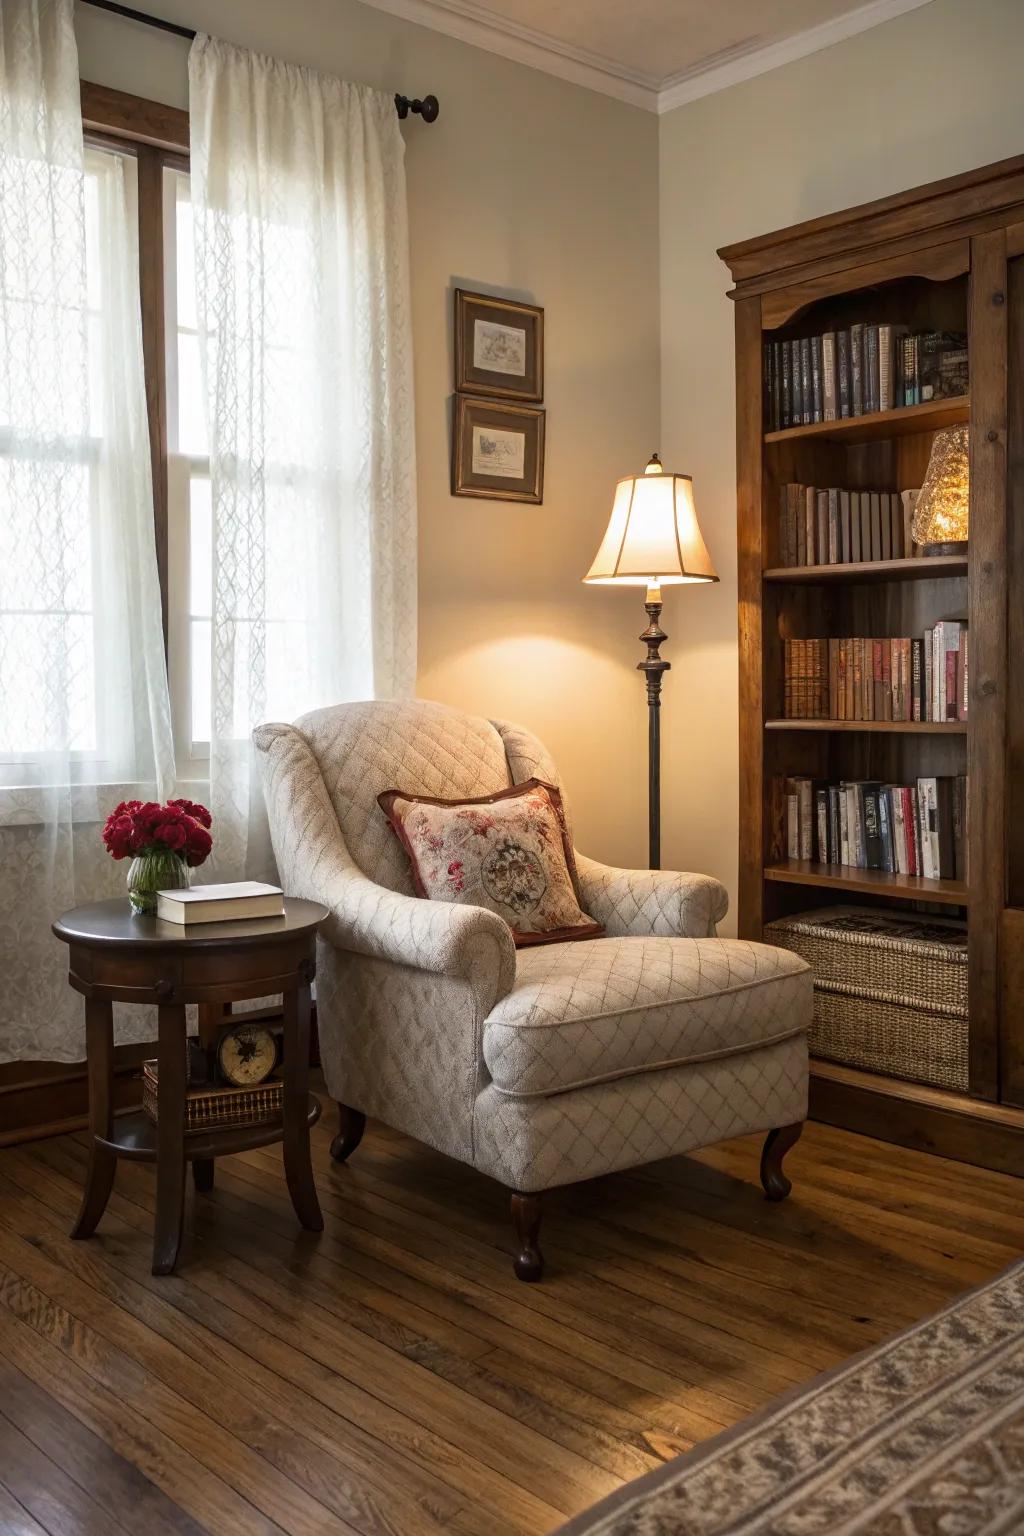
653, 53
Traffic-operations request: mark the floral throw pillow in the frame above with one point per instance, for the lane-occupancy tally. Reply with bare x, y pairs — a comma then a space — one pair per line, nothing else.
508, 852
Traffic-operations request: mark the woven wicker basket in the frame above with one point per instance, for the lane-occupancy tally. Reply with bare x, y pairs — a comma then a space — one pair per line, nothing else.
208, 1109
890, 990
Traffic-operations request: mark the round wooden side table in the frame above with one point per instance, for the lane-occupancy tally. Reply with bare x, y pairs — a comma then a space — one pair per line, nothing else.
117, 957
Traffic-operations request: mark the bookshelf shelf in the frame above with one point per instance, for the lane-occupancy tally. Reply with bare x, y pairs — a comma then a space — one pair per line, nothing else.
925, 568
878, 425
889, 727
873, 882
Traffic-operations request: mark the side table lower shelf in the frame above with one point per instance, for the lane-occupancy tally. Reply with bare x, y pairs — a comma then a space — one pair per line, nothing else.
135, 1137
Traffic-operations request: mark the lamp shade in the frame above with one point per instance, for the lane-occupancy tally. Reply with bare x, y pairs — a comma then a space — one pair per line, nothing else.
652, 537
941, 513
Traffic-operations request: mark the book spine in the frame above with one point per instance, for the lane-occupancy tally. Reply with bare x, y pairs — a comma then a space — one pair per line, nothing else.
776, 384
817, 381
871, 368
917, 678
806, 820
821, 543
786, 384
793, 826
810, 523
899, 833
877, 700
857, 370
843, 373
844, 527
821, 809
886, 397
806, 394
964, 693
873, 854
834, 531
829, 393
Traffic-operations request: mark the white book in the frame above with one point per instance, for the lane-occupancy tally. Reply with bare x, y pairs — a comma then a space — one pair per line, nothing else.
899, 832
220, 903
929, 803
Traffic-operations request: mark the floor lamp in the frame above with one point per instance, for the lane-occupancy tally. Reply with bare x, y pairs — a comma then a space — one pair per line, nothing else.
653, 540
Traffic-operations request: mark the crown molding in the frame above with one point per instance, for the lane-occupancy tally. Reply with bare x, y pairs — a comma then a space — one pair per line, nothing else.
677, 90
471, 23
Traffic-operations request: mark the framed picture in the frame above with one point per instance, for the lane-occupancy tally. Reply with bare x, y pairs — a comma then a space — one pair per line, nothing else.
497, 450
499, 347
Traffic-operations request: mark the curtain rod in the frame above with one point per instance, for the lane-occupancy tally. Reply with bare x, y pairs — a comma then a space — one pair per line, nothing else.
428, 107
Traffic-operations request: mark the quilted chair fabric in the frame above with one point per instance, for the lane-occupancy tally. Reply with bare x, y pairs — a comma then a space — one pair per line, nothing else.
617, 1006
540, 1067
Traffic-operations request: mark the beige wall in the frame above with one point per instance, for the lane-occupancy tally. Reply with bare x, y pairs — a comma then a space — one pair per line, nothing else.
935, 92
547, 191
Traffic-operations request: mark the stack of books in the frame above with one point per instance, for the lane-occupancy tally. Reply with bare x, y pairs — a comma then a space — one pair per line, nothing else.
839, 527
906, 829
901, 679
854, 372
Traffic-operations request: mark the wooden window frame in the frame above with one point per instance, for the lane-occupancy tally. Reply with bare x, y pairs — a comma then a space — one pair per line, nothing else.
157, 136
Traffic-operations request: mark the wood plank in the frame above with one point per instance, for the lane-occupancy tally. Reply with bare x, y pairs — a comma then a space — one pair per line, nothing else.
919, 569
987, 617
360, 1376
996, 189
875, 426
105, 110
873, 882
883, 727
750, 560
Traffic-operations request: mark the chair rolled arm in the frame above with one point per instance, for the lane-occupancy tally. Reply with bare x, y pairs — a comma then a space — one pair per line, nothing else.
313, 861
640, 903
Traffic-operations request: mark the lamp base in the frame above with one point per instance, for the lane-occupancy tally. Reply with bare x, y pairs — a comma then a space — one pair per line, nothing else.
955, 547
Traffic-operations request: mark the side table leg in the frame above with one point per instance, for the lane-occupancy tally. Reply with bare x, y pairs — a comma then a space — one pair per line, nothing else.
202, 1175
170, 1163
99, 1180
297, 1166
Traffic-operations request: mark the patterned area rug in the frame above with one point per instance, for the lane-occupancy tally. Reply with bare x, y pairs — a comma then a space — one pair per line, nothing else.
920, 1436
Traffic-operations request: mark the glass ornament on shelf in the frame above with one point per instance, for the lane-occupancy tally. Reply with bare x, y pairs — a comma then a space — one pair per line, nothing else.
941, 515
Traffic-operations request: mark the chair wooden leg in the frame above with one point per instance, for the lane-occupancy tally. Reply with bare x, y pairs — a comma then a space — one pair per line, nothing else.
526, 1213
777, 1143
352, 1124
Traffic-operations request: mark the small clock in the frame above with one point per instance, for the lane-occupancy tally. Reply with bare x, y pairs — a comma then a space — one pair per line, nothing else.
246, 1054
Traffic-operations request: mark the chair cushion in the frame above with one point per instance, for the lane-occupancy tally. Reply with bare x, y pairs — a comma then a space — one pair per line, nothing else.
589, 1013
508, 852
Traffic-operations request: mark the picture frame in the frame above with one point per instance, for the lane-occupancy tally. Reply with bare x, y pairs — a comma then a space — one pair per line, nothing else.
499, 347
497, 450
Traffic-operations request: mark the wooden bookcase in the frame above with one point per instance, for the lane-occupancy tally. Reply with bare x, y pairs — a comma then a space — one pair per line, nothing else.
946, 256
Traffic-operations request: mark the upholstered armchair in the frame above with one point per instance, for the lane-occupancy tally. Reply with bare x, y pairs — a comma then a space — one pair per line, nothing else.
542, 1066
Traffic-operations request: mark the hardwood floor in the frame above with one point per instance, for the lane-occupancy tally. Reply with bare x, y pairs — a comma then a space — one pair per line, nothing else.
390, 1376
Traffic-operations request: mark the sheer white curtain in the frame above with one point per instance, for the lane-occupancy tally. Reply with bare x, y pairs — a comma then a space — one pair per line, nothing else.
298, 195
84, 715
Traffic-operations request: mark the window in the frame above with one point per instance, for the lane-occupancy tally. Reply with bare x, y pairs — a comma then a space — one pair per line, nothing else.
55, 556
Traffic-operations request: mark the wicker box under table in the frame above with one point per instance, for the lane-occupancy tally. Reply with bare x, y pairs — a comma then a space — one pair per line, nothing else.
209, 1109
890, 990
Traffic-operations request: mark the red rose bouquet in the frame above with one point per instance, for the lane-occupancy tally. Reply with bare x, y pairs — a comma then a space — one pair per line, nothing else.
164, 842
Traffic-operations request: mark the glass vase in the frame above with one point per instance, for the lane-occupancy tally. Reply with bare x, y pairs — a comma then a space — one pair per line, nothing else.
152, 872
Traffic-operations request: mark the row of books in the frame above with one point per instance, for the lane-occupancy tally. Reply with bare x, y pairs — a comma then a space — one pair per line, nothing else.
906, 829
839, 527
854, 372
900, 679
